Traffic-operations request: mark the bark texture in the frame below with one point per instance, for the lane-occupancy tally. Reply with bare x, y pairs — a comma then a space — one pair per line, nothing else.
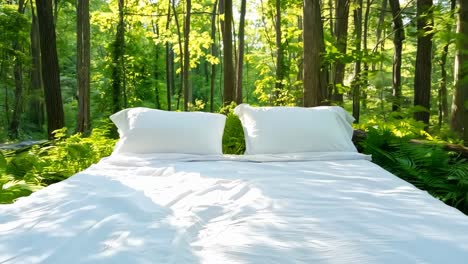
423, 69
83, 66
313, 47
50, 70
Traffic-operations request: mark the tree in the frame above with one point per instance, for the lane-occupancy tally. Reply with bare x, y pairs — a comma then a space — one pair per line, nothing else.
213, 53
50, 69
459, 122
341, 41
240, 56
356, 84
187, 86
36, 104
169, 62
18, 75
227, 53
442, 92
398, 38
423, 69
118, 61
378, 31
83, 66
279, 51
313, 47
181, 52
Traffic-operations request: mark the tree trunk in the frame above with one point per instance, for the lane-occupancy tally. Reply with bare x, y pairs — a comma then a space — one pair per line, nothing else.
330, 14
300, 64
36, 104
83, 66
378, 30
214, 54
187, 86
398, 39
157, 98
442, 92
227, 53
117, 67
168, 61
240, 56
6, 103
181, 51
459, 122
313, 47
422, 78
279, 52
365, 72
356, 85
18, 75
341, 38
50, 70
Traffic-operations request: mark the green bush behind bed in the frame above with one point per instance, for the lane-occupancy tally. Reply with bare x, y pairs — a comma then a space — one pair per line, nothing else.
443, 174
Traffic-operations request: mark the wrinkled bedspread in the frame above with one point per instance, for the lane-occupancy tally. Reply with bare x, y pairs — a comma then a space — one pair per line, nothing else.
301, 208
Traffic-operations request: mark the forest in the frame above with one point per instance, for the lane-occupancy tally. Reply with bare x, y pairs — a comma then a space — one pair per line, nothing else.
399, 66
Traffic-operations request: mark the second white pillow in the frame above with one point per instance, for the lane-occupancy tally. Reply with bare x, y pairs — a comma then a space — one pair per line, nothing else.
274, 130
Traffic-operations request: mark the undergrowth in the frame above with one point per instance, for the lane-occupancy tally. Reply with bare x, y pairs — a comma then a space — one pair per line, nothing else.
25, 172
427, 166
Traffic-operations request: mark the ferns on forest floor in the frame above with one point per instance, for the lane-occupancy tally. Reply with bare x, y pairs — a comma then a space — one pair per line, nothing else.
428, 167
23, 173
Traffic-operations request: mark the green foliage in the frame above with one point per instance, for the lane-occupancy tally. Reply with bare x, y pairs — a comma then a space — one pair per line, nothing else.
26, 172
426, 166
233, 137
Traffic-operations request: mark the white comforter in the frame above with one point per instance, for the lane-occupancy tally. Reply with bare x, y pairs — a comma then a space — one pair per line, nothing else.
321, 208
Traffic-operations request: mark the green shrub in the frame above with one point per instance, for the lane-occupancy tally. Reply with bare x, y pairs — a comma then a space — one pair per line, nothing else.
233, 137
23, 173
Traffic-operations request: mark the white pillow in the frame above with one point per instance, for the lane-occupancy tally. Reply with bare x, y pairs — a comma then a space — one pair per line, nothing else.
145, 130
274, 130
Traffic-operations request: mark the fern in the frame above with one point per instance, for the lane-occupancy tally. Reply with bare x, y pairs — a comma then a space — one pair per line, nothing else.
428, 167
29, 171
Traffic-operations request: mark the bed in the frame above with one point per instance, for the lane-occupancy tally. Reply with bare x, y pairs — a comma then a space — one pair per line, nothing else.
167, 194
325, 207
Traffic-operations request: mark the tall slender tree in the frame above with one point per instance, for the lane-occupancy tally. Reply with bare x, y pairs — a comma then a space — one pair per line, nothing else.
50, 69
442, 92
280, 67
398, 38
229, 88
422, 77
459, 122
240, 54
313, 47
118, 50
36, 103
213, 53
83, 66
187, 86
18, 75
379, 29
341, 40
169, 83
356, 85
181, 53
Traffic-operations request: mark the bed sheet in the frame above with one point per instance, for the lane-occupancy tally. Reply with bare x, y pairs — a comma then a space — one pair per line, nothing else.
295, 208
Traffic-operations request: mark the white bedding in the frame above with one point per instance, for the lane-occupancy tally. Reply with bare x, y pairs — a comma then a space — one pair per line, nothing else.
296, 208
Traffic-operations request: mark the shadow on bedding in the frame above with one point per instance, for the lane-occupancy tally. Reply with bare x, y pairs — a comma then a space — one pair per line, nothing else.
322, 212
90, 219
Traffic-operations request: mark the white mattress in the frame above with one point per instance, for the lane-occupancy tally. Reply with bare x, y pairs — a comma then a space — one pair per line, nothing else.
320, 208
